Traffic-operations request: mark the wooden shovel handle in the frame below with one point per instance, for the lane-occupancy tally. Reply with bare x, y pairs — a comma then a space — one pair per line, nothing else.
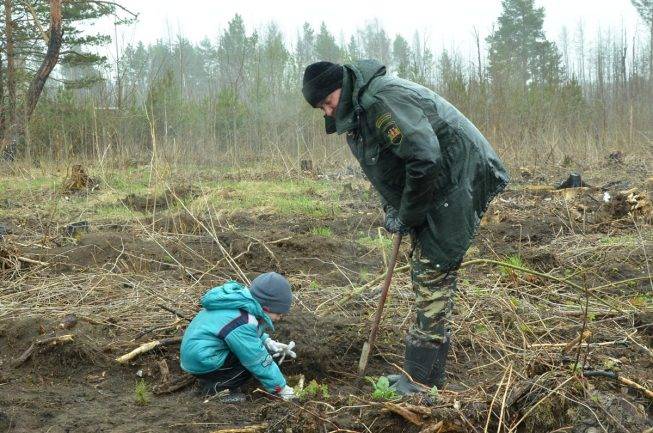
384, 294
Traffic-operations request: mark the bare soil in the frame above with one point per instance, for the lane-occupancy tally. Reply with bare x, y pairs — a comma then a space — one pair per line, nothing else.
115, 277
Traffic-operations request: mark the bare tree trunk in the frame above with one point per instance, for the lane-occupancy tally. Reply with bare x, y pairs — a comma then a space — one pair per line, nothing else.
478, 55
650, 52
49, 61
10, 115
18, 123
2, 100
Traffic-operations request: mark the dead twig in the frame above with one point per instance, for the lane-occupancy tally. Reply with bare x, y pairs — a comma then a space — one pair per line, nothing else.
175, 312
612, 375
249, 429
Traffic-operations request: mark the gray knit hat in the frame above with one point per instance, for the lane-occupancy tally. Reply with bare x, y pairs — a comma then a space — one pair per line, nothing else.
272, 290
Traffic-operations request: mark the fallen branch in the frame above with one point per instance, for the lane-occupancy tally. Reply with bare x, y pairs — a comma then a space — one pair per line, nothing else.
249, 429
612, 375
50, 342
542, 275
32, 261
578, 341
357, 291
584, 345
144, 348
175, 312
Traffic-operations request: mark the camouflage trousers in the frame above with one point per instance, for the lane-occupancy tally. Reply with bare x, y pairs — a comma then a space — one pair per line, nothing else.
434, 292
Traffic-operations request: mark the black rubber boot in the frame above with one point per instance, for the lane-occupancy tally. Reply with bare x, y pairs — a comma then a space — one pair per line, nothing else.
425, 361
404, 386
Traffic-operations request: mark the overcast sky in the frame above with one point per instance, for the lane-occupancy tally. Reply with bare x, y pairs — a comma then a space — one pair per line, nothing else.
447, 23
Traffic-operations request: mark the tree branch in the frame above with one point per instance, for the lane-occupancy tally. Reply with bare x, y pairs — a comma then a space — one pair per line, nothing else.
29, 6
49, 61
104, 2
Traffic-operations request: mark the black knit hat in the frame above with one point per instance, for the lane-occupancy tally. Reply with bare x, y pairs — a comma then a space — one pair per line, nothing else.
320, 79
272, 290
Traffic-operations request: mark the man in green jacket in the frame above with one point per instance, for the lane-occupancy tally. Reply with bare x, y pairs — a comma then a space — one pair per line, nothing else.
436, 175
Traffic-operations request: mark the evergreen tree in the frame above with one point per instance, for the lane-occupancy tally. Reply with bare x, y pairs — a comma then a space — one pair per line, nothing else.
235, 51
305, 51
519, 51
274, 59
376, 43
325, 46
401, 55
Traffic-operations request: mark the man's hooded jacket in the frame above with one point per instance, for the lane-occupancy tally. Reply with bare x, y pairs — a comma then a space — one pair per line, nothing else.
422, 155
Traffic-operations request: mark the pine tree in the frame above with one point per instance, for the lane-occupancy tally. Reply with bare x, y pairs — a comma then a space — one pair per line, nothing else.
519, 51
401, 55
326, 47
376, 43
305, 50
28, 34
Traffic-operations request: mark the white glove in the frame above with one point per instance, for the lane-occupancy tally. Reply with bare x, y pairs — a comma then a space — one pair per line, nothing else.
287, 393
280, 349
286, 350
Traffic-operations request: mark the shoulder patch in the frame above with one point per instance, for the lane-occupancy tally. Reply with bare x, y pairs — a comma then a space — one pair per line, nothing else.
388, 128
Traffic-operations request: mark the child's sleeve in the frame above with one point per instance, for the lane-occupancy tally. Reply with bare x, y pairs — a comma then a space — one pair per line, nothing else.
246, 344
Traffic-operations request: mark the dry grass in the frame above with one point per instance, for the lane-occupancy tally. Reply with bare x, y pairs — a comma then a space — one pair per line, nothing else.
527, 331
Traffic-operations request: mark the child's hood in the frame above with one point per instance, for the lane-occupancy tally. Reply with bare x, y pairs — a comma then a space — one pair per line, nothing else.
234, 296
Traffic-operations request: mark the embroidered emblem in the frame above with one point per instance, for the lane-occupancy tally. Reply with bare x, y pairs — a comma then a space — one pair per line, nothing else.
394, 134
387, 127
382, 120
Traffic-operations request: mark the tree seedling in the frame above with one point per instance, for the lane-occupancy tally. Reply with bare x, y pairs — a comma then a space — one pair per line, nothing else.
313, 390
381, 388
142, 393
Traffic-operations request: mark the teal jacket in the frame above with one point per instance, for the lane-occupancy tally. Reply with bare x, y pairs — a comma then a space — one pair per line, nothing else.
203, 350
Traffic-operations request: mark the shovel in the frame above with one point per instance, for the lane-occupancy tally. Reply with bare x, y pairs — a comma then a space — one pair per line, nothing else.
367, 347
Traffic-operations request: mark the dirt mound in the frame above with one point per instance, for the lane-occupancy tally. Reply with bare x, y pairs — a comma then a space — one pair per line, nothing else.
99, 249
324, 344
178, 223
73, 355
153, 203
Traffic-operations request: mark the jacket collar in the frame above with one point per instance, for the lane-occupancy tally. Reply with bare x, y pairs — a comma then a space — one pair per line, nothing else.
357, 76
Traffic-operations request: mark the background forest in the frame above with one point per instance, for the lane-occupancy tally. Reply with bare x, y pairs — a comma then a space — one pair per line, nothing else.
236, 96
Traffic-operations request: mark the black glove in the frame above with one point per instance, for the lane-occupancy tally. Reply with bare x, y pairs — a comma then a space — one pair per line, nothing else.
392, 222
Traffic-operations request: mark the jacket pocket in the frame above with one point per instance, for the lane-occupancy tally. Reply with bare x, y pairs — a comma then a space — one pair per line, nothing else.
451, 227
371, 153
